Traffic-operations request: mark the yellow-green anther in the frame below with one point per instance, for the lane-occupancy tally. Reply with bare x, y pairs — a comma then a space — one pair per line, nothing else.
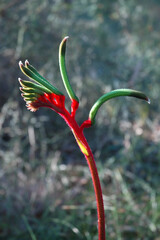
62, 65
113, 94
38, 79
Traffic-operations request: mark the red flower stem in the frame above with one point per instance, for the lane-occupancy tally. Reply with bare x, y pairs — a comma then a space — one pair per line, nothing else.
99, 197
84, 147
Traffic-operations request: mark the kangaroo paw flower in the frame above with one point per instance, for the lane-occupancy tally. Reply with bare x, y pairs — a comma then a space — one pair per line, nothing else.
41, 93
38, 92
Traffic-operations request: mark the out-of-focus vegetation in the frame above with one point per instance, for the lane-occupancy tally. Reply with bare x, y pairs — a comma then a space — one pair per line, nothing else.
45, 185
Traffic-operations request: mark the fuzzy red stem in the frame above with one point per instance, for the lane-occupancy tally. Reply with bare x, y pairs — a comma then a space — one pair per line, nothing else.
84, 147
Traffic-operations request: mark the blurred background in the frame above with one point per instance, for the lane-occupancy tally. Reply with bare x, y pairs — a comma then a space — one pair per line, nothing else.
45, 185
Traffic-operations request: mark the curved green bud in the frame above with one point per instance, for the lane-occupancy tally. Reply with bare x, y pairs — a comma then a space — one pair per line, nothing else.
29, 99
38, 78
30, 95
113, 94
28, 84
62, 50
31, 90
30, 67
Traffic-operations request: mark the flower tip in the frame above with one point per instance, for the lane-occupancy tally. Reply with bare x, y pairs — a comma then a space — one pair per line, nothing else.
149, 101
26, 62
20, 80
20, 63
66, 38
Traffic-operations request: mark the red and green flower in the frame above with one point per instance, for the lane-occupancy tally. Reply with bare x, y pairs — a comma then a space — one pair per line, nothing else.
38, 92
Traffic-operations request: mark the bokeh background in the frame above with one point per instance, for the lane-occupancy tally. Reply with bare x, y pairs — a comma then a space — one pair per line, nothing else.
45, 185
